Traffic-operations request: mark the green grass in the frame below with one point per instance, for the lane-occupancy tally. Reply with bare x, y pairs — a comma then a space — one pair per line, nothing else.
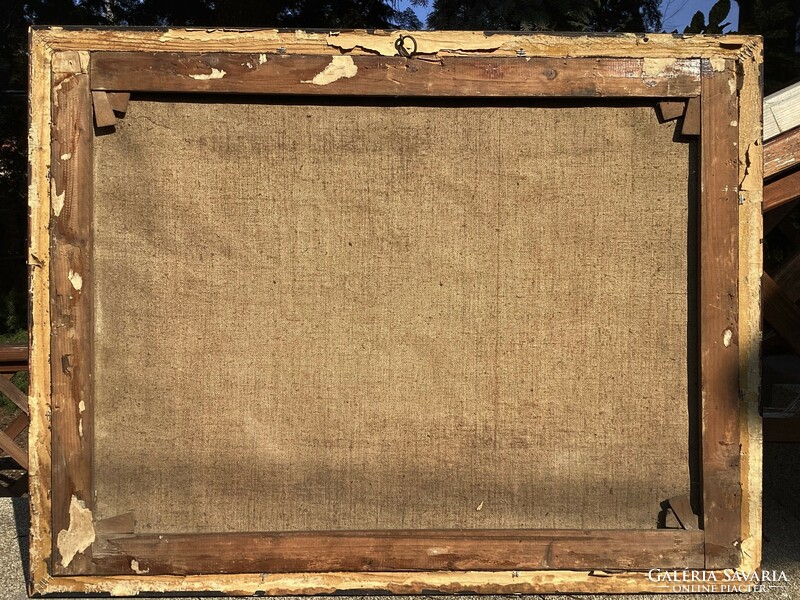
20, 336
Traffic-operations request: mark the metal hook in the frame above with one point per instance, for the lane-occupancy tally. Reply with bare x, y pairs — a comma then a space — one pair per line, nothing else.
400, 46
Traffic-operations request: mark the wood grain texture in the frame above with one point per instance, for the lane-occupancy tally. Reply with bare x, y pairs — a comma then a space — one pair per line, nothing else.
782, 152
178, 554
13, 358
782, 111
360, 584
17, 425
14, 353
781, 190
119, 101
14, 394
71, 308
719, 280
691, 118
103, 111
39, 434
682, 507
389, 76
124, 523
661, 47
669, 110
751, 179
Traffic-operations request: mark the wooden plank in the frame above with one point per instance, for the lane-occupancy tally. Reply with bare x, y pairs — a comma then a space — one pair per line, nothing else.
103, 111
125, 523
750, 265
363, 42
9, 446
350, 584
682, 507
183, 554
750, 241
13, 353
388, 76
691, 118
719, 338
17, 425
71, 309
670, 110
782, 111
119, 101
39, 435
14, 394
781, 313
782, 152
782, 190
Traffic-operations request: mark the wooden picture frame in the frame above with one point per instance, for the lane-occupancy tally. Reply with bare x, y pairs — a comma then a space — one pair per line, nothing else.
79, 77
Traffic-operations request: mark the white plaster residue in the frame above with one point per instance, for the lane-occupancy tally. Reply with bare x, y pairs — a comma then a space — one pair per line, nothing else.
750, 182
215, 74
83, 57
480, 506
66, 156
81, 406
57, 199
33, 195
262, 58
125, 589
717, 63
80, 534
80, 427
135, 568
219, 36
299, 34
340, 67
75, 279
749, 546
727, 335
658, 67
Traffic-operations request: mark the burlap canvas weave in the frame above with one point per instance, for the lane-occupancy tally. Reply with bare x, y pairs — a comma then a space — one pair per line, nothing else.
330, 316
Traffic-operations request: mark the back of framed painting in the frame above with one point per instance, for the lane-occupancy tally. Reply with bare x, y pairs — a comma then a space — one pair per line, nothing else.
447, 321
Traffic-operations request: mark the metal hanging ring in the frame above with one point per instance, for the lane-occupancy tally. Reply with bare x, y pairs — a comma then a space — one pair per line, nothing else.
400, 46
